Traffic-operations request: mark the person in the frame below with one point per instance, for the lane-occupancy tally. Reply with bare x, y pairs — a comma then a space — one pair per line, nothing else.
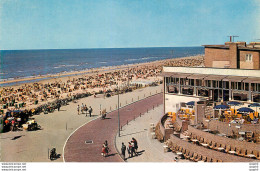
135, 144
133, 149
90, 111
82, 108
78, 109
130, 150
105, 149
59, 105
86, 109
123, 149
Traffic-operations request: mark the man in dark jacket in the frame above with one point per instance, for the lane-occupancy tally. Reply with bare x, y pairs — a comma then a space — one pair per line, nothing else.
123, 149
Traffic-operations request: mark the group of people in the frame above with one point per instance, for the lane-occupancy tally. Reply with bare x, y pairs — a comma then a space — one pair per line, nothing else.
83, 108
131, 149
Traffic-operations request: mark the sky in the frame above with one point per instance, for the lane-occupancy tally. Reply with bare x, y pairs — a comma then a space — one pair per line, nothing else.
73, 24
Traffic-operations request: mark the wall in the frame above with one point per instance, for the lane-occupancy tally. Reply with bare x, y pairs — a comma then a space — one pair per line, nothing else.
255, 64
212, 54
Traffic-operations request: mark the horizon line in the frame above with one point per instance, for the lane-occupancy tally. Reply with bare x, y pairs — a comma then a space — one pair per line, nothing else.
104, 48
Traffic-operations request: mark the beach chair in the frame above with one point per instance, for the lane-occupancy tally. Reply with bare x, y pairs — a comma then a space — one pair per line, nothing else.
186, 154
209, 159
217, 145
195, 156
199, 157
228, 148
204, 158
251, 115
243, 152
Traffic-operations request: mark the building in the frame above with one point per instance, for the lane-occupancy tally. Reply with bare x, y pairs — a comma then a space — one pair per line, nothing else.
233, 55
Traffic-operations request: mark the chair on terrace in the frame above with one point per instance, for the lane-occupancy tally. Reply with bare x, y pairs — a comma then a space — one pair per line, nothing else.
198, 158
242, 153
195, 155
217, 145
214, 160
209, 159
256, 153
186, 154
204, 158
213, 145
219, 160
228, 148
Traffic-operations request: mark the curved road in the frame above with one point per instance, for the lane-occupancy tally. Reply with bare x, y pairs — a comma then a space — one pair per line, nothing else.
98, 131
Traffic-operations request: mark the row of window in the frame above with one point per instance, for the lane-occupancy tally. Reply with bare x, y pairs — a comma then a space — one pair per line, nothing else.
214, 84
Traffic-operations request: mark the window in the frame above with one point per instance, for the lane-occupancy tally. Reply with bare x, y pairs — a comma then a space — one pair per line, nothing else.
249, 57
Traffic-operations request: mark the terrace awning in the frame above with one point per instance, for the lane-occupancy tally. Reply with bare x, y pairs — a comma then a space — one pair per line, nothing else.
176, 74
215, 77
234, 78
252, 80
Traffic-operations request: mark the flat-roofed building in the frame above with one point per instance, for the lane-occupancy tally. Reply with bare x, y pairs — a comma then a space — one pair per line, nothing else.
233, 55
215, 84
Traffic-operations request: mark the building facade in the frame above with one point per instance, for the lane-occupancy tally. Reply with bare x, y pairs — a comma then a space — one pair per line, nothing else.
233, 55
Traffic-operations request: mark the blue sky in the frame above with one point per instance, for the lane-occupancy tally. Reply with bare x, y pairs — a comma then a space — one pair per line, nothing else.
69, 24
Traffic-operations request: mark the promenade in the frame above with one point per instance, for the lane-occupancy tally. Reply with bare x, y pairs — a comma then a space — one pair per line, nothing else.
32, 146
149, 150
97, 131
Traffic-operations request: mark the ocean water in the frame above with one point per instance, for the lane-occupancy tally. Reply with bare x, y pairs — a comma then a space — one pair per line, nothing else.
29, 63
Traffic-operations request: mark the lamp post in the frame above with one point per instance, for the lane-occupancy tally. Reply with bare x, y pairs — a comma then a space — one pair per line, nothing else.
118, 111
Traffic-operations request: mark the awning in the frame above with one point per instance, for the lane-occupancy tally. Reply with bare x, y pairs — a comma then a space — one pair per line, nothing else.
234, 78
215, 77
197, 76
252, 80
176, 74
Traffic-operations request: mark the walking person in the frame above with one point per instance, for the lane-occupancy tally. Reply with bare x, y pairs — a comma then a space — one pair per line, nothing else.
105, 149
135, 144
78, 109
130, 150
90, 111
133, 149
59, 105
123, 149
86, 109
82, 108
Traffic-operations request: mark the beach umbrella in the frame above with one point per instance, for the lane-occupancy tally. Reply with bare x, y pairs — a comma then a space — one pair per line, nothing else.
221, 107
233, 103
245, 110
191, 103
256, 105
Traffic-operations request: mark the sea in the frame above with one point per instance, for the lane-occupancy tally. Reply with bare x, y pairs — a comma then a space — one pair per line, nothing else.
30, 63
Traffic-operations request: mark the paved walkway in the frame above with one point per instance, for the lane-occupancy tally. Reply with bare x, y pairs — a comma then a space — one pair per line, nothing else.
150, 150
32, 146
100, 130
